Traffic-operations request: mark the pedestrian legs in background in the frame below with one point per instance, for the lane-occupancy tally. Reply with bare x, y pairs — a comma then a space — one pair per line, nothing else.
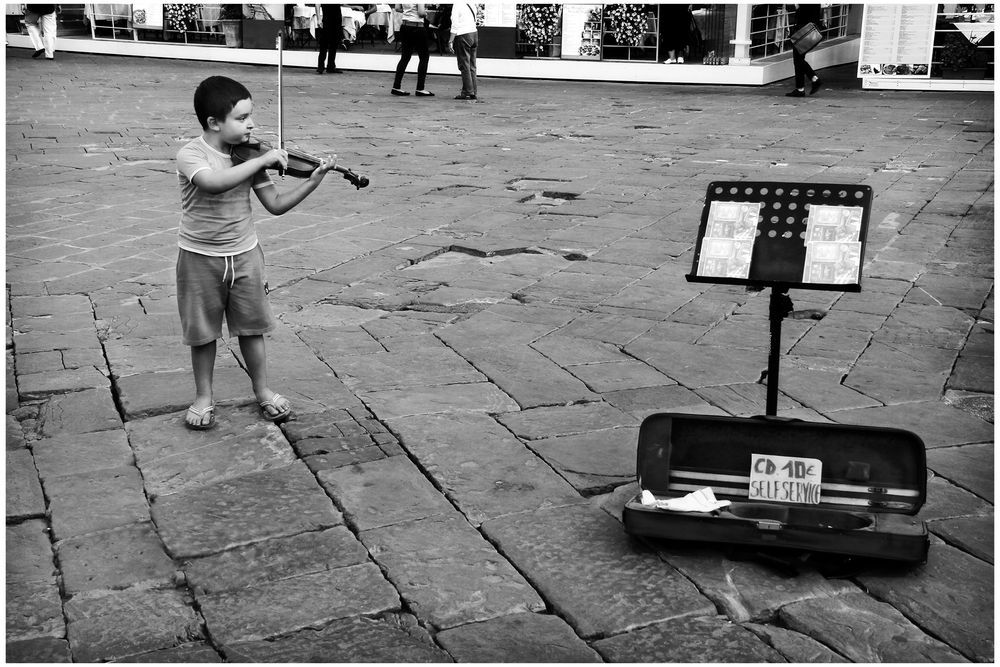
412, 38
803, 71
42, 32
466, 47
328, 40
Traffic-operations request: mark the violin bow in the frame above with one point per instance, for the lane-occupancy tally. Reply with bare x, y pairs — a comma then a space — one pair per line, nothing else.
281, 140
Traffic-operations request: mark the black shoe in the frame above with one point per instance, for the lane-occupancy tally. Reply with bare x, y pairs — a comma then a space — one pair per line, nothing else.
319, 71
796, 93
37, 53
463, 96
401, 93
815, 86
335, 71
424, 93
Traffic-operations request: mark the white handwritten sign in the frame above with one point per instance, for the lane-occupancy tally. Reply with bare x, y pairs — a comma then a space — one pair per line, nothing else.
787, 479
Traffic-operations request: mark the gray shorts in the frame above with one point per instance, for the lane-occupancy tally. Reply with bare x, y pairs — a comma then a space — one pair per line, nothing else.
210, 287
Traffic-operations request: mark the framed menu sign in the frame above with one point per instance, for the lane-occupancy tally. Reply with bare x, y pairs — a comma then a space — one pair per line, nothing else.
805, 235
897, 40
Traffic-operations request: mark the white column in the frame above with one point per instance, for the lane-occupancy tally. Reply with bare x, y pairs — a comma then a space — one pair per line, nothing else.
741, 43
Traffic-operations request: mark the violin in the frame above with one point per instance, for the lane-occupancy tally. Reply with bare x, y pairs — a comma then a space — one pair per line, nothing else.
300, 164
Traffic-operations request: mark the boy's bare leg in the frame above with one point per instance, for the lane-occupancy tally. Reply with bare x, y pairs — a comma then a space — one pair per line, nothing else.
203, 363
255, 356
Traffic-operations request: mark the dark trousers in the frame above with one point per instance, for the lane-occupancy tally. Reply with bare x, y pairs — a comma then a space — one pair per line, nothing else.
803, 70
328, 40
465, 52
412, 38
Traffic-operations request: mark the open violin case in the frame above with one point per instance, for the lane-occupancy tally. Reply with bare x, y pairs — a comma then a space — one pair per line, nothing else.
870, 482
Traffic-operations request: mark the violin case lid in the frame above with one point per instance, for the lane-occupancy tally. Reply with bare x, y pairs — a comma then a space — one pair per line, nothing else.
870, 482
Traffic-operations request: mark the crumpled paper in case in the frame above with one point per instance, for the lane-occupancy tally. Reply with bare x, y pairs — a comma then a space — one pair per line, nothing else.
702, 500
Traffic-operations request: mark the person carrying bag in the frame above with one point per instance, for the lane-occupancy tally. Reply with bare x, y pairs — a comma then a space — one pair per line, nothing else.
807, 19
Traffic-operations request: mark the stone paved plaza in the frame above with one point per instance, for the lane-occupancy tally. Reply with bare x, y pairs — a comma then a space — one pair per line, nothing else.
471, 344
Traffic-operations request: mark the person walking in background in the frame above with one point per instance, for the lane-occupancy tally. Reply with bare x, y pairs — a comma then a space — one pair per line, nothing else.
329, 34
675, 27
464, 42
413, 36
41, 23
804, 14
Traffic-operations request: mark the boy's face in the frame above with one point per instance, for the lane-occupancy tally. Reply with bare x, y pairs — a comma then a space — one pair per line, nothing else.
236, 127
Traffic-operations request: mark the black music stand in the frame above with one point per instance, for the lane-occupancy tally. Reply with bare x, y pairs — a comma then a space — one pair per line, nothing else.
782, 236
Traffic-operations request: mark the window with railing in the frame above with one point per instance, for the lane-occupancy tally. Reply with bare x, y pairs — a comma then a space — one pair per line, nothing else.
770, 24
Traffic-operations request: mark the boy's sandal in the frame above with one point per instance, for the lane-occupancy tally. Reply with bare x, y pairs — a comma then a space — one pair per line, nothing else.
278, 414
201, 425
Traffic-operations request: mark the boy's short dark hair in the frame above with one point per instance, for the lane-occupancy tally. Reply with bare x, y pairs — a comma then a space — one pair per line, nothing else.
216, 96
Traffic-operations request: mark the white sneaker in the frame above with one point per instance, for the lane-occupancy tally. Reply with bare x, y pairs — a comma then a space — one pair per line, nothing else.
680, 60
670, 61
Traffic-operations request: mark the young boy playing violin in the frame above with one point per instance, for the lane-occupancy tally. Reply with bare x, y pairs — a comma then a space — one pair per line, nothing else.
220, 264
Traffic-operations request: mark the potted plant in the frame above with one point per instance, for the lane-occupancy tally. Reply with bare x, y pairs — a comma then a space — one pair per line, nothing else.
958, 57
231, 20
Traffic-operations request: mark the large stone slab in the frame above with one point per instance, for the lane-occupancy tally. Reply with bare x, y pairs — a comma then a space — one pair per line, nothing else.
240, 511
29, 552
697, 365
934, 326
476, 397
195, 652
938, 424
280, 607
34, 609
275, 559
40, 649
23, 492
591, 573
389, 638
899, 385
78, 412
821, 390
794, 646
447, 573
640, 403
174, 458
688, 640
40, 385
968, 466
117, 558
113, 625
744, 590
528, 376
947, 596
480, 466
564, 420
160, 392
91, 501
413, 368
383, 492
72, 453
973, 534
592, 462
522, 638
888, 636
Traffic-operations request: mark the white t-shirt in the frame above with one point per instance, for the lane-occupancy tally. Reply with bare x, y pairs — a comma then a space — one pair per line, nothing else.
214, 224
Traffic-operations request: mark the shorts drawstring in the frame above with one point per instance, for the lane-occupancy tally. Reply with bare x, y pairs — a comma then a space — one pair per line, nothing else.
230, 264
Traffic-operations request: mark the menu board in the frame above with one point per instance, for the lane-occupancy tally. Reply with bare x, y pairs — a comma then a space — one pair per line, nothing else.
499, 14
897, 40
581, 32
